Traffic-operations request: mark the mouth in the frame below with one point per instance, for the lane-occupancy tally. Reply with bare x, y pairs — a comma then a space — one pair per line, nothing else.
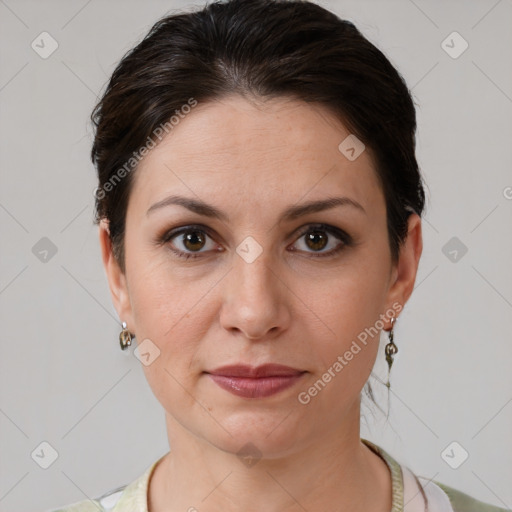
255, 382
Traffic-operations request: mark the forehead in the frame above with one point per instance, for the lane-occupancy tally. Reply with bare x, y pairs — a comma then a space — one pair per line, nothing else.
235, 150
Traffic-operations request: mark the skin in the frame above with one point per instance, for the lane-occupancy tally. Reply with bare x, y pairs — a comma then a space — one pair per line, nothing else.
287, 306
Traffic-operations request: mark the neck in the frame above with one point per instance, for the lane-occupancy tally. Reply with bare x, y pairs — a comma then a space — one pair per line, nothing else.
338, 472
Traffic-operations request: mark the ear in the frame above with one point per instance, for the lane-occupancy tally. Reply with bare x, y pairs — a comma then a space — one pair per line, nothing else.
404, 272
116, 278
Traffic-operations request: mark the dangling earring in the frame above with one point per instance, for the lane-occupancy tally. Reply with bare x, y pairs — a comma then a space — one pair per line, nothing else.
125, 337
391, 350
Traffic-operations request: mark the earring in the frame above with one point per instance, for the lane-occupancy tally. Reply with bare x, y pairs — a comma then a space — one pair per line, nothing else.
391, 350
125, 337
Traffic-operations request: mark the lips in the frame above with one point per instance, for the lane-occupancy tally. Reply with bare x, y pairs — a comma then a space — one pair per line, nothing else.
255, 382
254, 372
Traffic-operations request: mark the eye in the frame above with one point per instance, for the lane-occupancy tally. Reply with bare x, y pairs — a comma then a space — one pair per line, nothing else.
316, 237
193, 239
190, 240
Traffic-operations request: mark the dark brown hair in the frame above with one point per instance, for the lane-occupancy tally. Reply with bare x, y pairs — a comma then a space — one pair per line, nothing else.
260, 49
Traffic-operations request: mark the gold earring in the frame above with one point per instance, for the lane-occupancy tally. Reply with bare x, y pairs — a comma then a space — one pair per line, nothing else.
391, 350
125, 337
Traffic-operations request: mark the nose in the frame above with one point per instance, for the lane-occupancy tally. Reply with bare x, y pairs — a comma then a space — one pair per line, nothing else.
255, 299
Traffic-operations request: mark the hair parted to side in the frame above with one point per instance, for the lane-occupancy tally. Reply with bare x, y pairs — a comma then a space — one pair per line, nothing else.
259, 49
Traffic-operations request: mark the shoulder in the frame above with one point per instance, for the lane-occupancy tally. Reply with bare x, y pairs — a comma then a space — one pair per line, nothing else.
104, 503
130, 497
462, 502
81, 506
414, 493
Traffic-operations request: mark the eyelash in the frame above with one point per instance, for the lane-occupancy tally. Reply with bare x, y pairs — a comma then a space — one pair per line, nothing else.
345, 238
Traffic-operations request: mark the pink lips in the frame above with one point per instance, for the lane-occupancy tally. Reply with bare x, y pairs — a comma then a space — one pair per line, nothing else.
255, 382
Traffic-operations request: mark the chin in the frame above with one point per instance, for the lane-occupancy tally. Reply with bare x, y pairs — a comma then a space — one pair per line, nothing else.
268, 434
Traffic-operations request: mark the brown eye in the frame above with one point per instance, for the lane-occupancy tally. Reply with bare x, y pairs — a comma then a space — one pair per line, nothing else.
191, 242
318, 237
316, 240
194, 240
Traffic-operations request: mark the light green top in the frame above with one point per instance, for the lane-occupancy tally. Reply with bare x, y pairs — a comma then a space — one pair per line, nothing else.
405, 488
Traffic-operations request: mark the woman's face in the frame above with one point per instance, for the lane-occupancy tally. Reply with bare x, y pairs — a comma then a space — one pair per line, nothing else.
261, 286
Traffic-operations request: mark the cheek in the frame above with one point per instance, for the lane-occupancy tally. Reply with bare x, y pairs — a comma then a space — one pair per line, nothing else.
171, 314
351, 323
346, 357
355, 301
162, 300
176, 328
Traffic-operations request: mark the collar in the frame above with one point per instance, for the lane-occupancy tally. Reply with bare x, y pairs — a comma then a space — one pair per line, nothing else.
408, 492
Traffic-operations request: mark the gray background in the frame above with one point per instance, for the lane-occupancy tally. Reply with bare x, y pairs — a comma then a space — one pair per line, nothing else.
64, 379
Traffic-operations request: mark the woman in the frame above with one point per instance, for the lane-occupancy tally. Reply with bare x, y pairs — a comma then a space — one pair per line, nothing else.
259, 209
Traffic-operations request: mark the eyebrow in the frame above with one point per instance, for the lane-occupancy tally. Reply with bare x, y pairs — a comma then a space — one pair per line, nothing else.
291, 213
